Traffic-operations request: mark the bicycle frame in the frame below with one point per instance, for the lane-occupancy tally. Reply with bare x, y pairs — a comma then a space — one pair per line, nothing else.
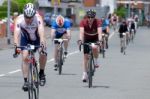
103, 45
60, 56
132, 33
123, 43
91, 67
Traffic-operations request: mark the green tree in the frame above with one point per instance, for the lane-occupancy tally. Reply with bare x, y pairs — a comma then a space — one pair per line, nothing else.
121, 11
16, 6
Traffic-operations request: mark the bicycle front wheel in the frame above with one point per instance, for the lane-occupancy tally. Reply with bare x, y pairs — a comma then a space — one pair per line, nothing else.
103, 48
90, 72
60, 61
36, 82
33, 81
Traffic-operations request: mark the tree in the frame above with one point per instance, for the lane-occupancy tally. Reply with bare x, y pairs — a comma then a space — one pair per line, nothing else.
121, 11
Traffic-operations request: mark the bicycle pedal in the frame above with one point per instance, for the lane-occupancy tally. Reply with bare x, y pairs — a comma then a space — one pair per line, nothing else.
42, 83
36, 84
25, 89
55, 69
84, 80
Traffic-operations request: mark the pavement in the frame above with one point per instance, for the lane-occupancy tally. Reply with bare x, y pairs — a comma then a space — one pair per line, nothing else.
4, 41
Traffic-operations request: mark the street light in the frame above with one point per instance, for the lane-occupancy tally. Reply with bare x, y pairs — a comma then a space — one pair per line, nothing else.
8, 22
129, 8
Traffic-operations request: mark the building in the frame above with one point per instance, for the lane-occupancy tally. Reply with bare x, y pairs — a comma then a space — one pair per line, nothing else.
76, 8
139, 7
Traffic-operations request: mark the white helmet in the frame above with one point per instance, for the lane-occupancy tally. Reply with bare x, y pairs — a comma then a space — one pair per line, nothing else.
29, 10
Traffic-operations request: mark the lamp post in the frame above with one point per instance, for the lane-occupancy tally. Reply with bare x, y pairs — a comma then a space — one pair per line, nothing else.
129, 8
8, 22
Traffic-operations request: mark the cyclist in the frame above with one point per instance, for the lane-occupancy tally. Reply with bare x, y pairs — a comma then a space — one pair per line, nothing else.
123, 28
114, 21
148, 19
90, 31
131, 25
105, 29
29, 29
60, 29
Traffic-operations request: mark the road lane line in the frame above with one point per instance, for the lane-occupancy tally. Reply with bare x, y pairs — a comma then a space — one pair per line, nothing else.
111, 35
50, 60
15, 71
1, 75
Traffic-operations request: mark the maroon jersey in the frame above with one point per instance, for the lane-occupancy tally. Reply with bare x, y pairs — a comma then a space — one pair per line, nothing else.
90, 32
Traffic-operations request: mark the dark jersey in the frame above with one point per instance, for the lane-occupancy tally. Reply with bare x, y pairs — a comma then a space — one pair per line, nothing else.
90, 32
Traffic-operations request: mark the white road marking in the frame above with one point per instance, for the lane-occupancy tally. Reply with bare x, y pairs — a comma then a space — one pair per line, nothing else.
110, 36
50, 60
1, 75
12, 72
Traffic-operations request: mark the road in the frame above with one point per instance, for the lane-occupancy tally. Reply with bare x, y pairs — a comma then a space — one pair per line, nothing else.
119, 76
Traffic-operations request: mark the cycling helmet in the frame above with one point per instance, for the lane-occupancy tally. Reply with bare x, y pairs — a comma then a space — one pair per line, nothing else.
60, 20
29, 10
91, 13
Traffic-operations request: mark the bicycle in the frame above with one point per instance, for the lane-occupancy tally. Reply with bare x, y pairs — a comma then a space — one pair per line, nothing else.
33, 76
102, 48
61, 57
132, 34
123, 43
91, 63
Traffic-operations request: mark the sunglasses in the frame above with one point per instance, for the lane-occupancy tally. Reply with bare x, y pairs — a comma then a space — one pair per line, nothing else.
90, 17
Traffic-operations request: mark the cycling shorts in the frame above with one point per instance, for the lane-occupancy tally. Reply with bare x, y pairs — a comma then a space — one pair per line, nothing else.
24, 41
86, 49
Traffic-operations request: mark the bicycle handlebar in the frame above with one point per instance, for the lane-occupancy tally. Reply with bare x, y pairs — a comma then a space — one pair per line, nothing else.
60, 40
89, 44
29, 47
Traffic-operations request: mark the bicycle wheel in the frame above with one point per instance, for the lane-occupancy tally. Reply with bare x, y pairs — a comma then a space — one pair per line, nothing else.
36, 82
103, 48
60, 61
30, 82
124, 45
90, 72
33, 80
132, 35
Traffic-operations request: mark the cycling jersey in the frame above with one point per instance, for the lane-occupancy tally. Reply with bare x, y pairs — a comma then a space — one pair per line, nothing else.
105, 23
123, 28
90, 32
61, 30
28, 32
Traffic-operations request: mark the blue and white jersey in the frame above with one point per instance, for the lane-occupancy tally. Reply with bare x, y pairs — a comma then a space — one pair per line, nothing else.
61, 30
105, 23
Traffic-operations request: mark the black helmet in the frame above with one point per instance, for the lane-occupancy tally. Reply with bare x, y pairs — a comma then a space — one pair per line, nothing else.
91, 13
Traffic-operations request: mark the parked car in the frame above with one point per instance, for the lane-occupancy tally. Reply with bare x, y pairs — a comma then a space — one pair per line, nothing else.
47, 19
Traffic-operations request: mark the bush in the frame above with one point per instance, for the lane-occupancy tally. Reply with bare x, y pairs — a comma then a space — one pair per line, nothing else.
16, 6
3, 14
121, 11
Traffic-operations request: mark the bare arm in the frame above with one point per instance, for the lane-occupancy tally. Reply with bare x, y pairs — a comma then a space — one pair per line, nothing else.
16, 32
52, 34
99, 33
81, 35
69, 34
41, 30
